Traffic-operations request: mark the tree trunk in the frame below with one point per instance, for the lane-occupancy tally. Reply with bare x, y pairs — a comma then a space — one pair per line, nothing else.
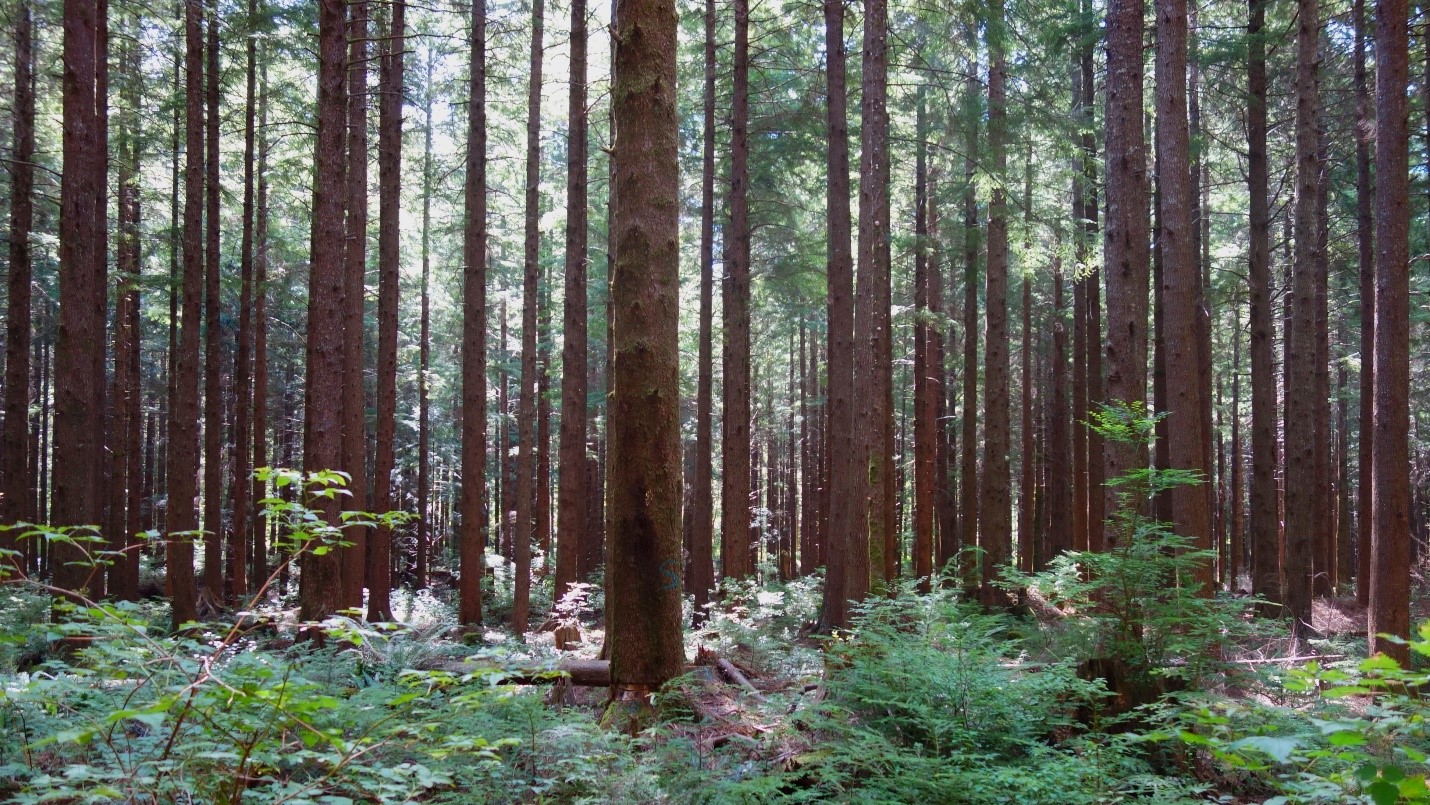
353, 404
424, 402
259, 561
1188, 394
319, 591
211, 590
1264, 507
1125, 255
735, 432
182, 460
643, 571
16, 482
526, 398
1366, 259
472, 541
968, 461
389, 168
236, 577
1389, 611
847, 497
125, 479
925, 410
995, 512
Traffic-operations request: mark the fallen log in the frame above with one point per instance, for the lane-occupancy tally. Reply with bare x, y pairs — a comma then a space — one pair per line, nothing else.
589, 673
733, 674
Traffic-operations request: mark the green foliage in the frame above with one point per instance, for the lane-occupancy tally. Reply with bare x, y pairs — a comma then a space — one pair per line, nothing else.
1355, 733
1139, 603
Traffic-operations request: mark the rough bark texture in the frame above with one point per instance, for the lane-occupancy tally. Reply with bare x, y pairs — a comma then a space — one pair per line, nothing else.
319, 590
1389, 611
16, 483
1265, 515
125, 431
995, 505
735, 424
389, 167
572, 488
1365, 229
846, 532
472, 539
1188, 394
211, 590
925, 408
1125, 251
354, 398
236, 569
968, 462
643, 485
182, 460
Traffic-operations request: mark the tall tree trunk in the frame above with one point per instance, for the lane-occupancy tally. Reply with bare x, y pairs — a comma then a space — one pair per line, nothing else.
1389, 611
259, 562
925, 410
472, 541
424, 402
643, 574
968, 461
1082, 252
1324, 561
1125, 255
1188, 394
237, 568
526, 399
125, 480
182, 460
1058, 447
735, 432
354, 402
1028, 464
1302, 526
211, 591
1237, 551
875, 373
16, 482
1264, 508
846, 532
389, 168
995, 512
1366, 260
701, 514
319, 590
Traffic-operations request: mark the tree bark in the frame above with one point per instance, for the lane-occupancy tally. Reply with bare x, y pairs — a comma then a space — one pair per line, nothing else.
1389, 611
643, 515
925, 409
353, 401
236, 576
389, 168
846, 533
472, 540
968, 461
125, 477
736, 446
211, 589
1125, 251
995, 507
17, 502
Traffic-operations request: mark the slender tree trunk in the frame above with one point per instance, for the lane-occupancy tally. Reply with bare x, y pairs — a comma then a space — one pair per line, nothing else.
1324, 561
353, 401
1078, 521
1058, 447
643, 574
1366, 259
1237, 550
125, 480
846, 532
1125, 257
1028, 464
259, 562
319, 590
424, 402
1188, 437
526, 398
995, 512
237, 568
211, 589
1095, 467
16, 481
1264, 508
701, 572
472, 541
389, 168
925, 410
1389, 611
182, 460
735, 492
968, 462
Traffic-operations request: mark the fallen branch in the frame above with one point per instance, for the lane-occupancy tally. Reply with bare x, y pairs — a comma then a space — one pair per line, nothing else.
733, 674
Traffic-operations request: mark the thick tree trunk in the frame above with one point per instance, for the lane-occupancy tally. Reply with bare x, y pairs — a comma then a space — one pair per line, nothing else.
846, 533
319, 590
874, 342
1125, 251
1389, 611
643, 571
16, 482
1188, 395
472, 540
572, 490
182, 460
389, 168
